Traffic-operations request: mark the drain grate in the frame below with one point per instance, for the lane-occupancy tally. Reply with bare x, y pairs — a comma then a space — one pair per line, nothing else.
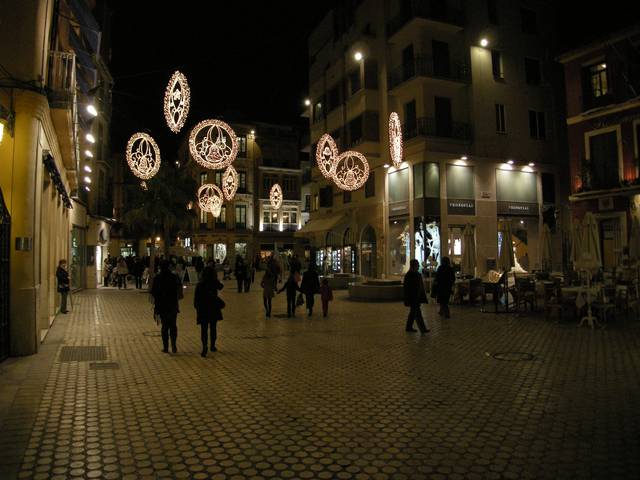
104, 366
512, 356
82, 354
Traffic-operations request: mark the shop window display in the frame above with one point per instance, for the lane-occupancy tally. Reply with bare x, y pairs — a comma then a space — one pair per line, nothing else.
427, 244
399, 246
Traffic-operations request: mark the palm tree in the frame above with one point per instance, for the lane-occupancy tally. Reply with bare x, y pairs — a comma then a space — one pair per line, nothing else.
162, 206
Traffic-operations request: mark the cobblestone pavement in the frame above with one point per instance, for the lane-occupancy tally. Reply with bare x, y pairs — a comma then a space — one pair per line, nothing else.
350, 396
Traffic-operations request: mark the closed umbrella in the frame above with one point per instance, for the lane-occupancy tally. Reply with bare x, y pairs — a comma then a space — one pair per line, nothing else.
589, 258
576, 242
468, 251
506, 261
545, 248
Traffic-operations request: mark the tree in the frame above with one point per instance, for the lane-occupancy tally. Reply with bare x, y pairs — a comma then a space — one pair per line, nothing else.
162, 207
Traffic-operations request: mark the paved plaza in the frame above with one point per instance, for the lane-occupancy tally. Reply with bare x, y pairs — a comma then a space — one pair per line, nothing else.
350, 396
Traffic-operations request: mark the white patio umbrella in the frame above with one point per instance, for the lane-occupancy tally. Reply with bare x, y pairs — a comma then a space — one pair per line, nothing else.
468, 264
506, 260
576, 242
545, 247
589, 258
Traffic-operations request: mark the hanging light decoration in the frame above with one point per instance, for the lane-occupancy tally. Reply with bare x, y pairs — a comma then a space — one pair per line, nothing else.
275, 195
213, 144
395, 139
351, 170
210, 198
176, 101
143, 156
326, 155
229, 182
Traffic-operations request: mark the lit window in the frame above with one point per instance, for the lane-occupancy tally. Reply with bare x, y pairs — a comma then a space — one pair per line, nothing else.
599, 86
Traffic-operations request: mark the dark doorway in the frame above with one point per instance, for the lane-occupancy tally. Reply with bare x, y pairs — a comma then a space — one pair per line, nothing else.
444, 120
441, 60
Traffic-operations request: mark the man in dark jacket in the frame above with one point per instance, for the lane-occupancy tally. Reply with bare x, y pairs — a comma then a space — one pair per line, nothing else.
63, 284
445, 279
166, 291
310, 286
414, 295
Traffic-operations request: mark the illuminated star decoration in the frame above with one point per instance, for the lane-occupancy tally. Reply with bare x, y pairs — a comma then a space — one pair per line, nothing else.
229, 182
176, 101
326, 155
275, 195
143, 156
395, 139
351, 170
213, 144
210, 199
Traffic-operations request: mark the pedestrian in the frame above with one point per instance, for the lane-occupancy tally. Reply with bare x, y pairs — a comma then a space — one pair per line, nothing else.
294, 264
291, 286
63, 284
256, 267
167, 291
326, 295
414, 296
138, 270
106, 271
310, 286
240, 272
269, 286
445, 279
123, 271
209, 307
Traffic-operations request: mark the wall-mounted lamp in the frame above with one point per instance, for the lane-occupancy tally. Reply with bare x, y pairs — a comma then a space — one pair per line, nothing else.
307, 102
357, 56
484, 43
7, 119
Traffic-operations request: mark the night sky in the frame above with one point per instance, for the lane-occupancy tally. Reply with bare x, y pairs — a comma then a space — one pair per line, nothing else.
247, 60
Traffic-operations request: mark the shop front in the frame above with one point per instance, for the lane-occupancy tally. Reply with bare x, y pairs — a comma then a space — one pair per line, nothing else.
426, 215
399, 227
461, 208
368, 253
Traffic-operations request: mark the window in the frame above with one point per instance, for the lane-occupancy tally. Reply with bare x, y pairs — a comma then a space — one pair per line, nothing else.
410, 119
316, 202
501, 125
290, 220
241, 216
203, 216
399, 185
603, 160
548, 188
532, 71
203, 178
355, 130
370, 185
492, 11
496, 65
289, 185
333, 100
346, 196
536, 125
371, 74
529, 21
354, 81
242, 146
307, 203
221, 221
218, 179
242, 182
267, 183
426, 180
326, 196
318, 112
598, 76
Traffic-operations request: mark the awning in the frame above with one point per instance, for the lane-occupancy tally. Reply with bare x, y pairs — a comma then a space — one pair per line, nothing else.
319, 225
88, 24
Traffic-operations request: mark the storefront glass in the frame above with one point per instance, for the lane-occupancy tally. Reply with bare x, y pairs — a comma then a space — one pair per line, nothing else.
427, 243
78, 260
219, 252
240, 248
399, 185
455, 244
368, 257
399, 245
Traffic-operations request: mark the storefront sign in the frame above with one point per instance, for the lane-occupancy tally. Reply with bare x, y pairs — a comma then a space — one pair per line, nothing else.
525, 209
457, 206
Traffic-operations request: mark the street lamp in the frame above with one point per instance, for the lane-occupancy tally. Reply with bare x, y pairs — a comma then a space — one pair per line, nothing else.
92, 110
484, 42
88, 153
90, 138
307, 102
357, 56
87, 169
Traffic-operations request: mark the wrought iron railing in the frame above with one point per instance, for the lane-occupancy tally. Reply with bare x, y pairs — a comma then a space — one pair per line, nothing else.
423, 66
430, 127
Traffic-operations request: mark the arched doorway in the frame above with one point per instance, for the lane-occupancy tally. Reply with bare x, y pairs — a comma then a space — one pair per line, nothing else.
349, 251
368, 255
5, 250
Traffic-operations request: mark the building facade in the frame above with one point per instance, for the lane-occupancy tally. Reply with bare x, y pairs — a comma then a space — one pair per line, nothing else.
471, 83
602, 82
248, 225
49, 68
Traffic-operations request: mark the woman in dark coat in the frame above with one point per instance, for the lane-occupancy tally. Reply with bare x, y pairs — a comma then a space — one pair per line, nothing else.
207, 304
445, 278
310, 286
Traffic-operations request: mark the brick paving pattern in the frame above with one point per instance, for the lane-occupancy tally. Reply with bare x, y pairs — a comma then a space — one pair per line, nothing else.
350, 396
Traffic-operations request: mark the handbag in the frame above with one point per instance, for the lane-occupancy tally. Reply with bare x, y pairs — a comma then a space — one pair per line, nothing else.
220, 303
299, 300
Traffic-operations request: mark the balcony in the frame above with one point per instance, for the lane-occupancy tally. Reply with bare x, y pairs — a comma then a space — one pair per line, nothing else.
431, 11
425, 67
429, 127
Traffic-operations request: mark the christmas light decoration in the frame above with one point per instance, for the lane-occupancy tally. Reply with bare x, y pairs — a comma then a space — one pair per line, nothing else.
351, 170
213, 144
210, 198
143, 156
275, 195
326, 155
176, 101
395, 139
229, 182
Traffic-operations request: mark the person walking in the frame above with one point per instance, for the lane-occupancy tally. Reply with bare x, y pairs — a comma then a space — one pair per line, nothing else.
269, 286
63, 284
106, 272
310, 286
445, 279
326, 295
167, 291
414, 296
138, 270
208, 306
291, 286
240, 272
256, 267
123, 271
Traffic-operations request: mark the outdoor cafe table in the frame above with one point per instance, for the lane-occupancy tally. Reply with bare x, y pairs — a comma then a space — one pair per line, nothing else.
584, 296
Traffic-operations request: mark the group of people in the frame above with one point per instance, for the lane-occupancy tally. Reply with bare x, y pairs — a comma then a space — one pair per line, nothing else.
115, 271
